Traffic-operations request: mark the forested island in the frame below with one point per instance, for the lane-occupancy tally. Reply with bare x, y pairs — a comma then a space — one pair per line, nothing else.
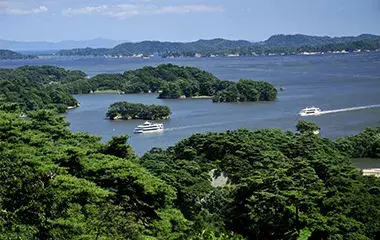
173, 82
277, 44
56, 184
246, 90
127, 111
35, 87
11, 55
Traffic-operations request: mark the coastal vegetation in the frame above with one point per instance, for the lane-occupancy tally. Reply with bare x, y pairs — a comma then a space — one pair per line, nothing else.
363, 144
173, 82
28, 88
11, 55
246, 90
56, 184
164, 77
126, 110
277, 44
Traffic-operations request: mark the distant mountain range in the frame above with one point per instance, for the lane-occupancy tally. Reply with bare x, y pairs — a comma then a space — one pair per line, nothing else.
70, 44
284, 44
276, 44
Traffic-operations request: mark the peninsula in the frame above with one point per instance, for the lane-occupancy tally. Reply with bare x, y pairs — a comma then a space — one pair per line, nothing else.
11, 55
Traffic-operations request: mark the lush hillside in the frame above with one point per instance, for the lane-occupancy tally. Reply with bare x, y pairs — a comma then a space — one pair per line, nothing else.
34, 87
276, 44
42, 74
127, 111
9, 55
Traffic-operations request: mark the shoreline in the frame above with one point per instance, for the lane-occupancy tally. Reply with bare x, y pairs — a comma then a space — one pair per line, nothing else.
106, 91
200, 97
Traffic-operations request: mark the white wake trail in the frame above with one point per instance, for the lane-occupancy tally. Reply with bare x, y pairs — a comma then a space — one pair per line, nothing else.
349, 109
198, 125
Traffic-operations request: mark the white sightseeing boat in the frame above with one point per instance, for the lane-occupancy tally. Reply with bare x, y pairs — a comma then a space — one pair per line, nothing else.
309, 111
149, 127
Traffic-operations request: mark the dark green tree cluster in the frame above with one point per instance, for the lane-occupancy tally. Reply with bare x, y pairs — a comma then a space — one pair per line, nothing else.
280, 185
363, 144
55, 184
11, 55
126, 110
172, 82
188, 81
42, 74
32, 96
246, 90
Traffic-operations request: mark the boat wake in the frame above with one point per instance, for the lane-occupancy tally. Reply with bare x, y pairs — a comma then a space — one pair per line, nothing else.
198, 125
349, 109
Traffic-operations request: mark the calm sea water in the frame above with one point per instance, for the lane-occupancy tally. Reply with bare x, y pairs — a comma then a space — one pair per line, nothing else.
330, 82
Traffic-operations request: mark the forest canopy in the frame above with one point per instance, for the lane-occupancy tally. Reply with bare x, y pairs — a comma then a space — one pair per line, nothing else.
34, 87
280, 185
173, 82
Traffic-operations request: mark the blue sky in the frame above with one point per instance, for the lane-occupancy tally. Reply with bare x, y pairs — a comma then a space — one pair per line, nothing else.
184, 20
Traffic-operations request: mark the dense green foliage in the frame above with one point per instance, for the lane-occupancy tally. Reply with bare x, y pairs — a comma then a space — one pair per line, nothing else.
55, 184
173, 82
363, 144
193, 81
33, 87
126, 110
277, 44
307, 127
9, 55
281, 185
246, 90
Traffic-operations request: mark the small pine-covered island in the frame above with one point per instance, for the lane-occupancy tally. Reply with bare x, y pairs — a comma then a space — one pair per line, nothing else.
128, 111
246, 90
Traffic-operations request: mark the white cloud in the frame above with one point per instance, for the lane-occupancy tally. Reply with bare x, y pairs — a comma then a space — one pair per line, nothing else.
6, 8
85, 10
123, 11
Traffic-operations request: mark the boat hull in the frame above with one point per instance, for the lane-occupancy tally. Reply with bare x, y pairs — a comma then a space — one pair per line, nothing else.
148, 131
309, 114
